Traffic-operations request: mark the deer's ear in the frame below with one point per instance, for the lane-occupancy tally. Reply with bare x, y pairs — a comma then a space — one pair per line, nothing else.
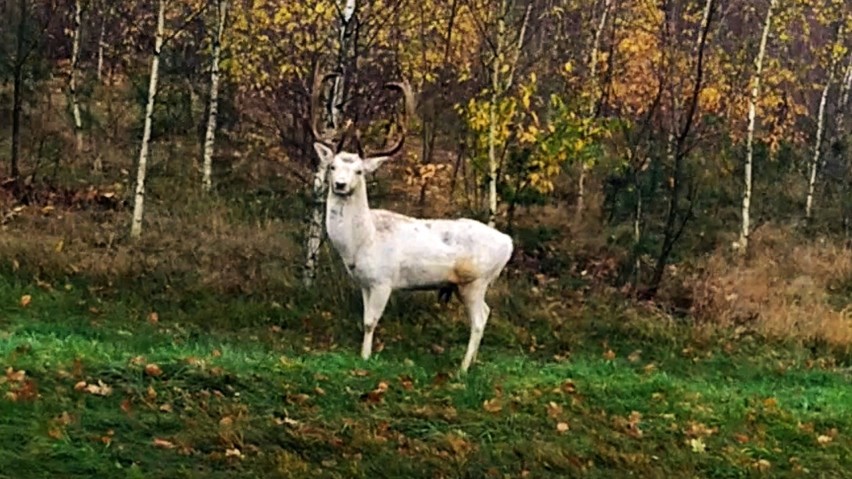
373, 164
325, 154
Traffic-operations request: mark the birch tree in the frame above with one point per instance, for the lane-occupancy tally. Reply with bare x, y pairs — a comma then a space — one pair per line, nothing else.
348, 24
745, 228
594, 84
213, 110
503, 65
837, 49
107, 9
72, 79
139, 197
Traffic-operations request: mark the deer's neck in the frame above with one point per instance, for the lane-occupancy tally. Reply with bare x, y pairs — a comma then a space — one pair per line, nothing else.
349, 223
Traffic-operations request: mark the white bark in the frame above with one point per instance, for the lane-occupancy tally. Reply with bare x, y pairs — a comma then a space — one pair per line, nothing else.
139, 199
212, 116
101, 49
815, 161
814, 166
496, 93
594, 52
844, 98
745, 229
315, 225
72, 80
499, 86
318, 189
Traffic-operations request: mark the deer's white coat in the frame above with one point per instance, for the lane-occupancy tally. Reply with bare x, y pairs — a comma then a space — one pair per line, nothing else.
385, 251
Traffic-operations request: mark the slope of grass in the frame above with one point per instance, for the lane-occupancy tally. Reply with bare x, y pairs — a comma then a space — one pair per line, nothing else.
102, 389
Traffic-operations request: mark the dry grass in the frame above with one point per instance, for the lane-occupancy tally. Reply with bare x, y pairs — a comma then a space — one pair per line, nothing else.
783, 290
220, 254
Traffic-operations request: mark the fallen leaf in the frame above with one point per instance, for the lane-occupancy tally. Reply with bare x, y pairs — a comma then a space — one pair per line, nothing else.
15, 376
166, 408
609, 355
492, 405
151, 393
153, 370
25, 390
26, 300
153, 318
697, 445
553, 410
568, 387
99, 389
163, 444
287, 421
360, 372
635, 356
234, 452
126, 405
406, 382
762, 465
822, 439
377, 394
562, 427
741, 438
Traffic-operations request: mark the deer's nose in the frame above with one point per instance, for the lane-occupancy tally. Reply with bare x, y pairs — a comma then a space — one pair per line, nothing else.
339, 185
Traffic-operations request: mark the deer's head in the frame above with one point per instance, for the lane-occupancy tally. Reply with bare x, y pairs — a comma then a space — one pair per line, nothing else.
346, 169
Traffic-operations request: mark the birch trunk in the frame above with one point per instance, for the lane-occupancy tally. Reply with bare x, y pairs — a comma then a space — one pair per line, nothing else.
817, 156
100, 68
745, 229
814, 166
637, 228
499, 87
139, 199
845, 86
593, 100
72, 80
496, 91
212, 116
318, 190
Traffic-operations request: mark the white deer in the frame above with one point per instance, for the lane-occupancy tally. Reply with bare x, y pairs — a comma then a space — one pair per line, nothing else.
385, 251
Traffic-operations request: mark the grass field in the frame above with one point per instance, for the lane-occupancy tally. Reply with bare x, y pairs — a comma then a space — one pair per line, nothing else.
99, 387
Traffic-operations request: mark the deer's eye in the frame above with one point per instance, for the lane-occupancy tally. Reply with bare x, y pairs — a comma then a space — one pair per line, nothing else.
331, 168
359, 172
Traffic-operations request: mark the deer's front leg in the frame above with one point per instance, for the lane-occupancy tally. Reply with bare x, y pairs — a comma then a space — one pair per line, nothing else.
375, 300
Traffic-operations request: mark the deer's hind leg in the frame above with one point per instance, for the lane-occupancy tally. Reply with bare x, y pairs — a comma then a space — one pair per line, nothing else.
473, 295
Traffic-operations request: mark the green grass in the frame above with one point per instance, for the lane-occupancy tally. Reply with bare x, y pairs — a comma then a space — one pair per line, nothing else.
283, 390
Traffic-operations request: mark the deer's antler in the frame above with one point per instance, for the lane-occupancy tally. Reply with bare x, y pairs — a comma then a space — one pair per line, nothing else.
408, 111
326, 137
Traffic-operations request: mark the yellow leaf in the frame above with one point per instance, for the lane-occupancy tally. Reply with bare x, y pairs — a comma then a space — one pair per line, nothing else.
697, 445
26, 300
